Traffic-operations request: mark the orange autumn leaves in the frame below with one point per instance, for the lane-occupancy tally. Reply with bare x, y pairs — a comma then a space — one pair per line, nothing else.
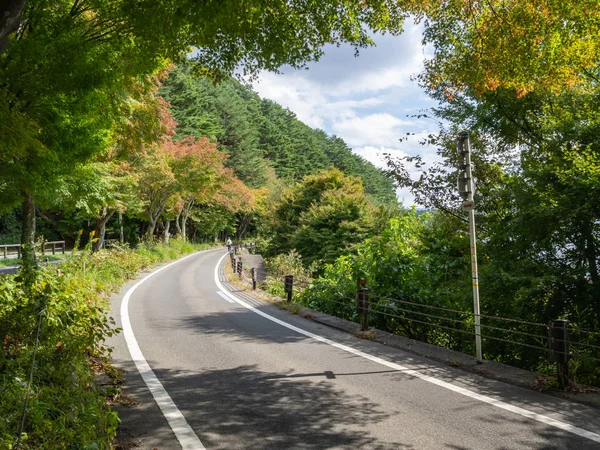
522, 45
201, 174
177, 177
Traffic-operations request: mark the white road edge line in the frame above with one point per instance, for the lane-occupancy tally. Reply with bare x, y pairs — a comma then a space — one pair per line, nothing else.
225, 297
184, 433
460, 390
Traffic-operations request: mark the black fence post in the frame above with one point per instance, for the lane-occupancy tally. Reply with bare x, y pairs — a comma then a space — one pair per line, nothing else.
240, 268
253, 274
232, 257
560, 350
362, 307
289, 286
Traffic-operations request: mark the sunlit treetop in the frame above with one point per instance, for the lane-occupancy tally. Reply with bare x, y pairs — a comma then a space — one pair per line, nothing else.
518, 44
224, 34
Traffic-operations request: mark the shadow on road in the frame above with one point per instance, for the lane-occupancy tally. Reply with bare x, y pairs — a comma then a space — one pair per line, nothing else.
244, 408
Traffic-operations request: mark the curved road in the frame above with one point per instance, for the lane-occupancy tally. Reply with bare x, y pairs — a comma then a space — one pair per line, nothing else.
240, 380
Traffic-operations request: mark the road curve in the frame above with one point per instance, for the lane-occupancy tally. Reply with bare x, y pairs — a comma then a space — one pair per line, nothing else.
242, 381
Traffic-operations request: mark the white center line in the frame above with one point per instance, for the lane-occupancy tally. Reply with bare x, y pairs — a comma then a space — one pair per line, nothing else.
460, 390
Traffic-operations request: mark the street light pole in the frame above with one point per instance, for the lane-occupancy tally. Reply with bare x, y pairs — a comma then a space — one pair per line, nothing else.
466, 189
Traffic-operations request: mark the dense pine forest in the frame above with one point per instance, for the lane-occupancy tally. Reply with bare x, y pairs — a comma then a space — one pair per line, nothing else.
261, 137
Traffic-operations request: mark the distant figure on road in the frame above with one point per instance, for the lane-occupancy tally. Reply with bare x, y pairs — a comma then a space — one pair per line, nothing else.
229, 243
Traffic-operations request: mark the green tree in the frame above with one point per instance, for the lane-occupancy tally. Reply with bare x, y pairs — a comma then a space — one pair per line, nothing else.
525, 45
260, 135
322, 217
536, 164
70, 65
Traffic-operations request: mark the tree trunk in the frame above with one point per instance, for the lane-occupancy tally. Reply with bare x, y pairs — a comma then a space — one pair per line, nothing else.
10, 19
100, 229
121, 235
187, 209
243, 226
590, 253
151, 228
166, 227
28, 232
177, 226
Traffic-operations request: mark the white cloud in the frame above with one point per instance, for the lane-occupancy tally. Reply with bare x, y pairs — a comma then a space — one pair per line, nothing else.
411, 147
374, 129
298, 94
397, 75
363, 100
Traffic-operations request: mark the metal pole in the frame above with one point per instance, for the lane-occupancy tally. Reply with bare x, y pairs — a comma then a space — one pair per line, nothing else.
253, 273
362, 306
288, 286
465, 148
476, 310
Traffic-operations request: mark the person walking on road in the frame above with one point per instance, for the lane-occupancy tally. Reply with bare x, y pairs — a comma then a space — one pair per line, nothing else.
229, 243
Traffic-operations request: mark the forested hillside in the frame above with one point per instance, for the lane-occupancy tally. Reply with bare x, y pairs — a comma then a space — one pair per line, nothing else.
261, 136
261, 141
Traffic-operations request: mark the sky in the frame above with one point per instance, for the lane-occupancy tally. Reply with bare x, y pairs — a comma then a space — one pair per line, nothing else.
366, 100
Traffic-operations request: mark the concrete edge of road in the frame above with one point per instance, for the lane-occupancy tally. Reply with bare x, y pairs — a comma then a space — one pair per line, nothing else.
489, 369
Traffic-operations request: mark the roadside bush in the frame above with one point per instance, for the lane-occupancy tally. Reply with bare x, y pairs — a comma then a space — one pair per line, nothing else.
66, 409
287, 264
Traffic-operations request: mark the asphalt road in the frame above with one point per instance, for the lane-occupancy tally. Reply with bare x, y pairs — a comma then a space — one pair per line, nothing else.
243, 381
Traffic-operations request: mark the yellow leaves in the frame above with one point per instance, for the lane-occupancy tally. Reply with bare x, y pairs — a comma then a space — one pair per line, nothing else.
522, 45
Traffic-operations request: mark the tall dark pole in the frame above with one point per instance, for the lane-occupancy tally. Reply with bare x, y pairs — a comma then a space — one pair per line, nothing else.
466, 188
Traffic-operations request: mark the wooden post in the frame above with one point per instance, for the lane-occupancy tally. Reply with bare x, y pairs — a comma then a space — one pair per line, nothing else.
362, 308
560, 350
240, 267
288, 286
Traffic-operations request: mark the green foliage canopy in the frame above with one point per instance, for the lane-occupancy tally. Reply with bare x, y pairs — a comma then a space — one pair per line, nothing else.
321, 217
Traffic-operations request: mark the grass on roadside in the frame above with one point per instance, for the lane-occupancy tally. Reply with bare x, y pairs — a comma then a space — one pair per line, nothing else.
67, 409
